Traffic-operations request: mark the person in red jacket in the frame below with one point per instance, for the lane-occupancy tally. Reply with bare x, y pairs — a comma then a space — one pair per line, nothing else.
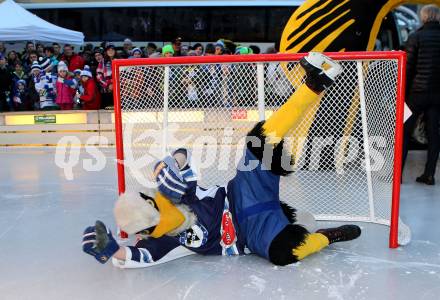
91, 98
72, 60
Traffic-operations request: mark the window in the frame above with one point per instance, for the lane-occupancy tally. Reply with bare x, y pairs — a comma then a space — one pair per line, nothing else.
276, 21
201, 24
189, 23
84, 20
243, 24
120, 23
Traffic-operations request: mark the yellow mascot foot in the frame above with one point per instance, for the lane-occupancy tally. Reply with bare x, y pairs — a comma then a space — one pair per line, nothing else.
313, 243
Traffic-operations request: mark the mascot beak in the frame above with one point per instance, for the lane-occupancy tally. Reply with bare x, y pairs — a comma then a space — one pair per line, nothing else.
170, 216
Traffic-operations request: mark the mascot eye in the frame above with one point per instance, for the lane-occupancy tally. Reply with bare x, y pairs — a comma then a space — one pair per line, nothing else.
146, 232
149, 200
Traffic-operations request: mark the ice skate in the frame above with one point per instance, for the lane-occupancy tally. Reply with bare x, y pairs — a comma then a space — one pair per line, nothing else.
318, 78
341, 234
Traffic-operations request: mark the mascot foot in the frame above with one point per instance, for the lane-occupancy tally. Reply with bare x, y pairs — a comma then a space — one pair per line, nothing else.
341, 234
318, 78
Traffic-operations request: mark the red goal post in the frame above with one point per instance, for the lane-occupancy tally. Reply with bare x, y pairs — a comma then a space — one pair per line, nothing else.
137, 76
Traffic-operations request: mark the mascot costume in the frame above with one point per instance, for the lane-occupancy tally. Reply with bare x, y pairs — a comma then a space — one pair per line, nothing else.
243, 216
246, 215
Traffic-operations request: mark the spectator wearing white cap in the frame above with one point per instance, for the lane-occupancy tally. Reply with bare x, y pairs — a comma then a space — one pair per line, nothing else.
219, 47
45, 85
91, 97
65, 88
86, 72
35, 73
77, 77
79, 90
136, 53
127, 48
35, 67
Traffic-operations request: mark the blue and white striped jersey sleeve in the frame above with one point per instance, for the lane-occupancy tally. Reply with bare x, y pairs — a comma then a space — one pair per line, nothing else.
188, 174
170, 182
152, 252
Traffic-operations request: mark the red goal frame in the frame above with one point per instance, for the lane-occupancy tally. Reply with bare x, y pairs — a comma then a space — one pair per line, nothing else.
400, 56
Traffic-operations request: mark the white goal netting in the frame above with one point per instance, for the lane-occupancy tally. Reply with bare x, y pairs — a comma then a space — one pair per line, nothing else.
343, 149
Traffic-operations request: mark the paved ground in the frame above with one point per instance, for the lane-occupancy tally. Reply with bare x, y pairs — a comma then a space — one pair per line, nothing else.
43, 215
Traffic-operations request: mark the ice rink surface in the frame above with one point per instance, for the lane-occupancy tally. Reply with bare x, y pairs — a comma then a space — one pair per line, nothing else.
42, 217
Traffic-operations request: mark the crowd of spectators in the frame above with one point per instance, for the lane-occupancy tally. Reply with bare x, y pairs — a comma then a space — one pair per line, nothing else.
52, 77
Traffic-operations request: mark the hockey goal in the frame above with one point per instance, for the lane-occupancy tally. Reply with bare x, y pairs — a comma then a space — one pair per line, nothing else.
347, 150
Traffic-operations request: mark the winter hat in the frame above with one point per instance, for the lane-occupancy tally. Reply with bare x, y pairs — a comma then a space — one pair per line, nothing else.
98, 50
62, 66
44, 62
110, 46
136, 50
77, 71
167, 49
220, 44
21, 81
86, 72
243, 50
35, 66
133, 213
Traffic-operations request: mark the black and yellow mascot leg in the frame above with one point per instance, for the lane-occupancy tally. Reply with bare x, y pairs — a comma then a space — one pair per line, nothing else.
294, 242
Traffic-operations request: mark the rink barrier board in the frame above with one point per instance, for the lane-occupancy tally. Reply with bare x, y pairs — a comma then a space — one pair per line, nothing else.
101, 123
16, 128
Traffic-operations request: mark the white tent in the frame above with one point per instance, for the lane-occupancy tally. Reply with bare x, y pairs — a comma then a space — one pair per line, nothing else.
17, 24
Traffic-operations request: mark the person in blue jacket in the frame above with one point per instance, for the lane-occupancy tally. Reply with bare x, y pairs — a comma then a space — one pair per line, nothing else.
243, 216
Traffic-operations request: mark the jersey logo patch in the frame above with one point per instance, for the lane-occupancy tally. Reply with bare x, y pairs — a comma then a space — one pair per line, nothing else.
194, 237
227, 230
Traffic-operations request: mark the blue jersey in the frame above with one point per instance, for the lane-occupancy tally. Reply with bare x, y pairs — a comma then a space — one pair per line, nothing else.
244, 214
